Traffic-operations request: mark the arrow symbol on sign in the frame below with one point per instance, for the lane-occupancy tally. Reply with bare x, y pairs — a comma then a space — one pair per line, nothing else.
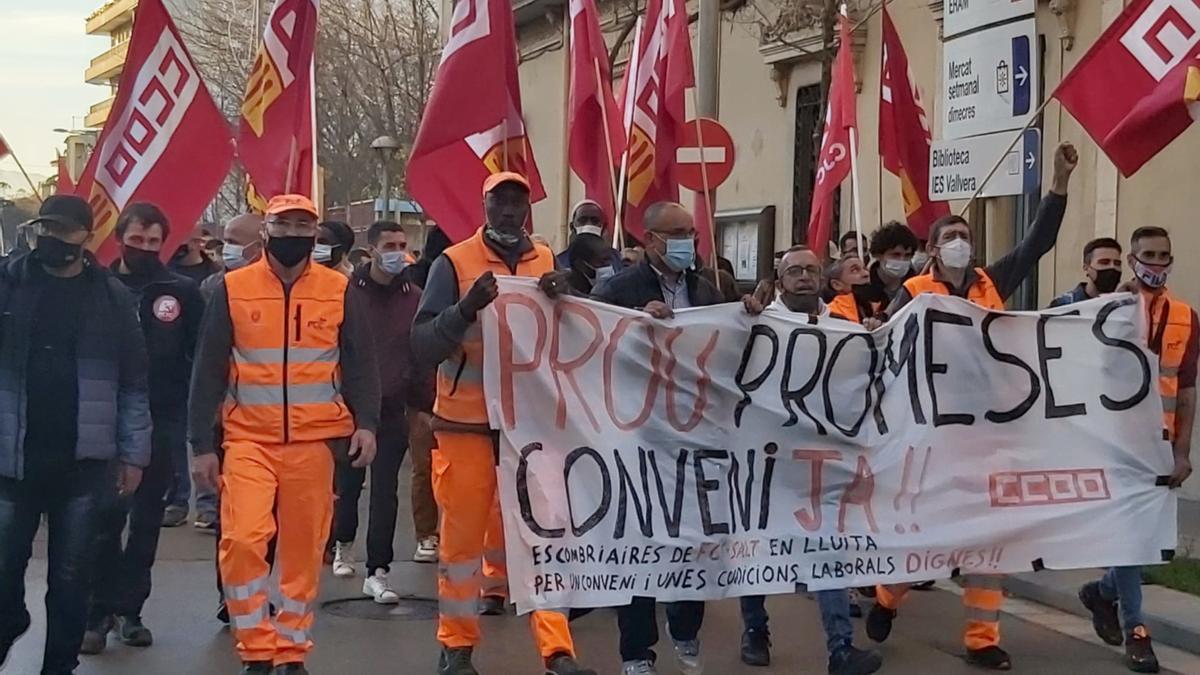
1030, 160
1022, 75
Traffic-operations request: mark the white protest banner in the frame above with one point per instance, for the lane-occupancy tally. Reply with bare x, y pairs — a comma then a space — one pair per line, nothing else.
720, 455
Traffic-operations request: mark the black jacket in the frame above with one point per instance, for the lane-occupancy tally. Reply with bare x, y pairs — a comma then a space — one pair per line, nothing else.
170, 308
637, 286
114, 410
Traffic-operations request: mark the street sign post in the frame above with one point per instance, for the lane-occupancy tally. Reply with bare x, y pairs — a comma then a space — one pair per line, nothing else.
958, 166
990, 80
961, 16
717, 154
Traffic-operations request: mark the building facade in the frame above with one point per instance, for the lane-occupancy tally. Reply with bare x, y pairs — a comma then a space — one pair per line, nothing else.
114, 19
770, 101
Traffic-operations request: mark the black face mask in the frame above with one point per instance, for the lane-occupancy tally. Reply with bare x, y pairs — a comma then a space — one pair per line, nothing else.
801, 302
1107, 280
290, 251
56, 253
140, 261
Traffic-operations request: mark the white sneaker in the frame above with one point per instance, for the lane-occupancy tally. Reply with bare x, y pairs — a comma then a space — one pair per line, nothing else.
427, 550
640, 667
687, 656
343, 562
378, 587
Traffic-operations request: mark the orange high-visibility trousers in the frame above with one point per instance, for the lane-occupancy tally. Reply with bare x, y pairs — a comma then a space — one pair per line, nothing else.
257, 477
983, 597
464, 484
495, 567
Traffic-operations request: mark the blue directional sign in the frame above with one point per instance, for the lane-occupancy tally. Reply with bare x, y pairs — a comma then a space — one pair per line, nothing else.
1031, 161
1022, 97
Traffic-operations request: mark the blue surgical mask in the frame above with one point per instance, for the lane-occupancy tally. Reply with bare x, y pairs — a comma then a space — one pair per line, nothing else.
393, 262
322, 253
681, 254
603, 273
234, 256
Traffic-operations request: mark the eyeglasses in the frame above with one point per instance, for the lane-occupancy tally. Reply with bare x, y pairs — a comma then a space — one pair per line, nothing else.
798, 271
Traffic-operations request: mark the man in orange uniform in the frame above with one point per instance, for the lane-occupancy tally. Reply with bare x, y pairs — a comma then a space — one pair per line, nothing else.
289, 361
952, 274
461, 283
1174, 336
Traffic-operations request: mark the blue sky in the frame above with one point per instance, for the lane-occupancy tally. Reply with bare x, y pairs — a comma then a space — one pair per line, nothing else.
43, 54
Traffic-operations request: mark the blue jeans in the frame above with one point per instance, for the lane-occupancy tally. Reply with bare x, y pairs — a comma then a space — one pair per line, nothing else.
70, 499
835, 616
1123, 585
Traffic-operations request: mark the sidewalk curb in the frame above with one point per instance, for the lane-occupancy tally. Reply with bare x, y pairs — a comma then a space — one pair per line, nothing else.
1161, 629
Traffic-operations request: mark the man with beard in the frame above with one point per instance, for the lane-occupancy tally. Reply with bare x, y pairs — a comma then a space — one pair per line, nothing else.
1101, 267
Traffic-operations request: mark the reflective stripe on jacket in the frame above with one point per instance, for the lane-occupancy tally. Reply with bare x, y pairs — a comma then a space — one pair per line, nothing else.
460, 377
284, 375
1170, 331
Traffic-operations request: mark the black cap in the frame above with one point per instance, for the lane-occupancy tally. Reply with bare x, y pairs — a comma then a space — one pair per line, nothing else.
66, 210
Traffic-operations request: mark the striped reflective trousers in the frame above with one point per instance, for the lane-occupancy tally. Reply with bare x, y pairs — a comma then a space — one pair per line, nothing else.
982, 599
255, 477
464, 484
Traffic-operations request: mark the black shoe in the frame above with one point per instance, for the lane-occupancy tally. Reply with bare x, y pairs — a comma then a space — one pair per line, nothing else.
6, 644
579, 613
290, 669
992, 658
456, 661
1104, 614
95, 638
223, 613
256, 668
133, 632
492, 605
879, 622
1139, 654
851, 661
564, 664
756, 648
855, 610
174, 516
924, 586
205, 521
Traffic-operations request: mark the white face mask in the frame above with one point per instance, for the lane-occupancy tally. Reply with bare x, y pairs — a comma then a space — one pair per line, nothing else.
603, 273
393, 262
1152, 276
322, 253
590, 229
920, 258
956, 254
234, 256
896, 269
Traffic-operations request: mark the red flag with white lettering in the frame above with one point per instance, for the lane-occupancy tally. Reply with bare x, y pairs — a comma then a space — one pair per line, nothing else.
1138, 88
655, 109
165, 141
591, 105
472, 126
833, 164
904, 137
277, 143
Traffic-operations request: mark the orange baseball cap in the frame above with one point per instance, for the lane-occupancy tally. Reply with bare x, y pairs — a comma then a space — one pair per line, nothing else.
282, 203
495, 180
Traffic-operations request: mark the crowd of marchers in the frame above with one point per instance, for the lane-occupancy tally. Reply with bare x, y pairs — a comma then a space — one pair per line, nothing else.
264, 370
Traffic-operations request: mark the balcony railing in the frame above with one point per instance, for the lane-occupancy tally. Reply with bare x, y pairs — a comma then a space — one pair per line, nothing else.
112, 14
106, 66
98, 113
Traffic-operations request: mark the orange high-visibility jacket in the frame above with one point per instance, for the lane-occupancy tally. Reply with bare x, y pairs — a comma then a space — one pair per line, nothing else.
1170, 332
284, 378
983, 292
460, 377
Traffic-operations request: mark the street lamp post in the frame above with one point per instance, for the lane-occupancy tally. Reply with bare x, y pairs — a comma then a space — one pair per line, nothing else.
386, 146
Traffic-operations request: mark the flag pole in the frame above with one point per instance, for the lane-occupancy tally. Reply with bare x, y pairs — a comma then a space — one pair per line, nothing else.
631, 70
854, 182
708, 196
1000, 160
612, 186
13, 153
565, 187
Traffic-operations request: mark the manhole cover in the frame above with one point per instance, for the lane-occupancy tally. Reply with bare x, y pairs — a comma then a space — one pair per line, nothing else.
408, 609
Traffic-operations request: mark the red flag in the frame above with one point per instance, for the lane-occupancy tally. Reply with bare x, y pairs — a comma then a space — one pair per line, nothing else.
655, 109
591, 105
4, 151
472, 126
64, 185
277, 143
834, 161
904, 137
165, 141
1136, 90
